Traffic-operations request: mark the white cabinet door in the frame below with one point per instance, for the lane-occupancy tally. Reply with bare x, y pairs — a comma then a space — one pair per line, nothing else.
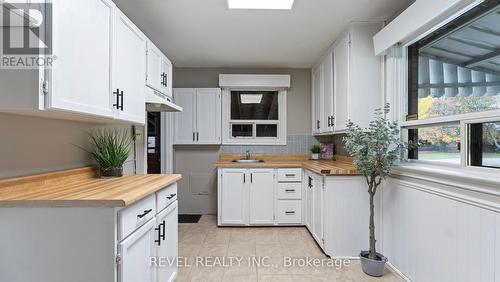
318, 209
328, 117
80, 77
309, 195
135, 253
234, 196
129, 69
341, 82
168, 246
208, 116
166, 72
261, 196
316, 99
185, 121
154, 67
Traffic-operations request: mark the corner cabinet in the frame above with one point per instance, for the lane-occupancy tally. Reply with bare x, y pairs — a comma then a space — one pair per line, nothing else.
200, 121
347, 81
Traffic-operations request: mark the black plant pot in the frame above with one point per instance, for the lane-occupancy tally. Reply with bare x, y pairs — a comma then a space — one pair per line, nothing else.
372, 267
109, 172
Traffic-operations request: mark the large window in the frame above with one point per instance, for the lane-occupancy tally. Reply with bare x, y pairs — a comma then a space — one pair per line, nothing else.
454, 79
254, 117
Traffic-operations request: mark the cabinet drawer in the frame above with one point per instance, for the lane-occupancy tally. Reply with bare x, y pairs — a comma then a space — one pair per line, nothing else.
289, 174
289, 212
290, 191
134, 216
165, 197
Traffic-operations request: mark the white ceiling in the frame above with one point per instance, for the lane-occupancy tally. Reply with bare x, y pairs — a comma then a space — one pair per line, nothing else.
204, 33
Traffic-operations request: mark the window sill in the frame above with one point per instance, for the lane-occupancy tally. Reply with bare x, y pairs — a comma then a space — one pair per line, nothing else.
471, 179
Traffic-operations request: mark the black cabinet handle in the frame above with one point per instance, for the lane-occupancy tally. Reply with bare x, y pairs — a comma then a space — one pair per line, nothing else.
117, 93
244, 178
290, 175
145, 213
166, 80
289, 190
161, 236
251, 177
197, 136
171, 196
163, 229
329, 121
194, 136
121, 101
310, 182
317, 124
289, 212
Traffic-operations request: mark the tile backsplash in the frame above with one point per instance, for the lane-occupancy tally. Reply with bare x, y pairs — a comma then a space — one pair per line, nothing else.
296, 144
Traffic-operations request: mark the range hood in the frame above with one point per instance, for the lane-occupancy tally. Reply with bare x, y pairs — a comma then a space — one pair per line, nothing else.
155, 102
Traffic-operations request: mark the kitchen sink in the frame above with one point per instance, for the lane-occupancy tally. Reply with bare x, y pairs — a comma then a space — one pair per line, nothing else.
247, 161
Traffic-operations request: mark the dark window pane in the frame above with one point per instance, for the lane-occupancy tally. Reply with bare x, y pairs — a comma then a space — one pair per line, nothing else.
456, 70
484, 142
267, 130
254, 105
436, 143
241, 130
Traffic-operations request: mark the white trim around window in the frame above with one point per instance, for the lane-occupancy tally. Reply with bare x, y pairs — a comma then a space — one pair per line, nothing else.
227, 138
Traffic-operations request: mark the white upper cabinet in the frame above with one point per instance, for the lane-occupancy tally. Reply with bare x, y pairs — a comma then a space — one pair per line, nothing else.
341, 70
159, 71
80, 80
347, 81
200, 121
129, 70
99, 54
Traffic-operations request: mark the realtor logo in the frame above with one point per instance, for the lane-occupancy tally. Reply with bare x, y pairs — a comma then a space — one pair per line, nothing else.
26, 35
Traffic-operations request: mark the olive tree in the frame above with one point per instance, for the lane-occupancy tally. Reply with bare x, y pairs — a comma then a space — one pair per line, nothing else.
374, 151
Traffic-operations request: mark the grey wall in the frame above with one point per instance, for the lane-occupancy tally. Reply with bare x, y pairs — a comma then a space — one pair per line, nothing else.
198, 188
30, 145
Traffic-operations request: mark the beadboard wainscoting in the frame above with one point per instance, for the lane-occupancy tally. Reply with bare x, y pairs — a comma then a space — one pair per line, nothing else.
440, 232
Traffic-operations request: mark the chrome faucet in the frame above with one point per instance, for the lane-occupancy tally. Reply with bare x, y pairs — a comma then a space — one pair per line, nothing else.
248, 154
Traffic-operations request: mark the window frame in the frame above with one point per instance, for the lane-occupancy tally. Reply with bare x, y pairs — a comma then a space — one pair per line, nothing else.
463, 120
227, 122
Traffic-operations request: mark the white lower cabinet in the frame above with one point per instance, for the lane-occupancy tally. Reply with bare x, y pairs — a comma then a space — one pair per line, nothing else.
135, 252
149, 253
336, 213
314, 217
261, 196
167, 246
233, 201
256, 197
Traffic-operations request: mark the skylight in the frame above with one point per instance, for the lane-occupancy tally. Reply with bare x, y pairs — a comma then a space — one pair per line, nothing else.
251, 98
260, 4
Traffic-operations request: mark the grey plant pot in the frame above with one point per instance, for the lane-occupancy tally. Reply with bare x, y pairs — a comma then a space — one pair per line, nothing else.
110, 172
372, 267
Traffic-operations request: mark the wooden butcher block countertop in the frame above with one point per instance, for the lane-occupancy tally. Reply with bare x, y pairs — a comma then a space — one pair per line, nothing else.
339, 166
80, 188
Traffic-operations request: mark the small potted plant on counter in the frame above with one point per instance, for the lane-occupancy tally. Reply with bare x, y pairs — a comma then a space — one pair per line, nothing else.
374, 149
315, 150
110, 149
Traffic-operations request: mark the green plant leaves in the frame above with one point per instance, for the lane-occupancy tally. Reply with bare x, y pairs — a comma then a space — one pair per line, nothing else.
110, 147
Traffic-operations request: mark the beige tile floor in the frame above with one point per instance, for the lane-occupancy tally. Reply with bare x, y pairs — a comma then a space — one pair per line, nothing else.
205, 251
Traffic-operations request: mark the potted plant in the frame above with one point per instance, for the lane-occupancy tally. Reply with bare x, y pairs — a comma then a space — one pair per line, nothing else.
374, 150
315, 150
110, 149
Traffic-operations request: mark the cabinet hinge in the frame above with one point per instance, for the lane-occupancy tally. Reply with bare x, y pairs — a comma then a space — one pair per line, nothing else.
118, 259
45, 87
